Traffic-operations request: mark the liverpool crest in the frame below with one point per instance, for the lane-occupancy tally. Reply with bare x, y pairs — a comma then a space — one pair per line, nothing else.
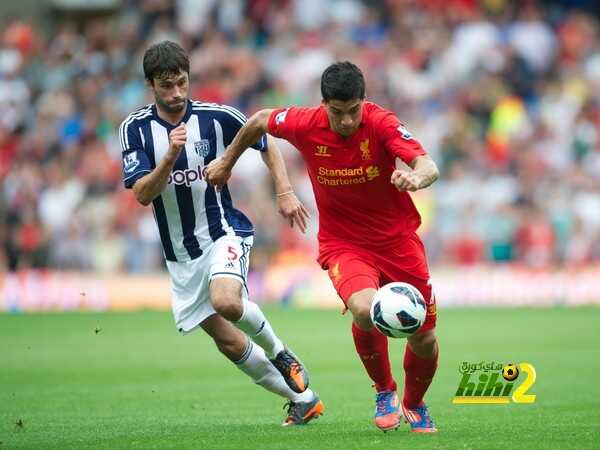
364, 150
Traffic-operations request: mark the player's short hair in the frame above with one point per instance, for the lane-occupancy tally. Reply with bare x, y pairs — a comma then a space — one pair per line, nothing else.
342, 81
165, 58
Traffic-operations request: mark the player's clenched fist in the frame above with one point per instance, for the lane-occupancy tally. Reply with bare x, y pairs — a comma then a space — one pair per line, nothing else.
405, 180
177, 138
217, 173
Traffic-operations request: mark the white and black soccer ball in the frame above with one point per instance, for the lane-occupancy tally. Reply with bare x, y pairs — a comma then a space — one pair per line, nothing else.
398, 310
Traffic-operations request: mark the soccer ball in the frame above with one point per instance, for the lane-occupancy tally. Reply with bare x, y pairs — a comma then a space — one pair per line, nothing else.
398, 310
510, 372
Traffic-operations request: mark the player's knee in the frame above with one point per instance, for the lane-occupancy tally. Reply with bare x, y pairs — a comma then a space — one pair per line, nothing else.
226, 300
229, 307
424, 344
362, 316
360, 306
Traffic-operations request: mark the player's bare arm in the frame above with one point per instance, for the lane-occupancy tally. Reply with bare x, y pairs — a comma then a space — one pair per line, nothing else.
150, 186
219, 170
424, 172
287, 203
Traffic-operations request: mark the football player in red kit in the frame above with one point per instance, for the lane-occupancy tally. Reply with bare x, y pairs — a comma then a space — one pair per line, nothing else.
367, 221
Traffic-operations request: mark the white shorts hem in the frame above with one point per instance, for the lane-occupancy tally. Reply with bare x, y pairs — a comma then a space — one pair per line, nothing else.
235, 276
191, 324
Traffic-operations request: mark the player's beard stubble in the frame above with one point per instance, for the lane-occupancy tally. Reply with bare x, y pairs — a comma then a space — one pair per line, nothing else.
172, 107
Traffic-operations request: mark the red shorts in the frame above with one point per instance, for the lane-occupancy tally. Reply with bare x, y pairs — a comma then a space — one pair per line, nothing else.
354, 269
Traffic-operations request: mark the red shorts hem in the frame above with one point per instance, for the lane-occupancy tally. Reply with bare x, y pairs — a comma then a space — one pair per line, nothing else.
357, 283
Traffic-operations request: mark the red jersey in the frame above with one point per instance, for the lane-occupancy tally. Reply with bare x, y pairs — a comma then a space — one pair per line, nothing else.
351, 176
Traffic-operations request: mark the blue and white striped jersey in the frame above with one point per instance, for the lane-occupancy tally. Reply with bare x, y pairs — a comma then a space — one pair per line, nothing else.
189, 213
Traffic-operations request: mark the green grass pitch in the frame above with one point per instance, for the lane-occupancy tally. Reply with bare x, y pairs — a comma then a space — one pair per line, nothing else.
129, 381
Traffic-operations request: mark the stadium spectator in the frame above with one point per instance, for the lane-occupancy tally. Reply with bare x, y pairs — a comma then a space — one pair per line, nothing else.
505, 98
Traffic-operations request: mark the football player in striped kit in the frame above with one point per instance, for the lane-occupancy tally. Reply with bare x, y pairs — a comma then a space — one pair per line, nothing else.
206, 241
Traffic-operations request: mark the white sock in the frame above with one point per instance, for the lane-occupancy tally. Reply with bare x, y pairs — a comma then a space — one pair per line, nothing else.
255, 364
254, 323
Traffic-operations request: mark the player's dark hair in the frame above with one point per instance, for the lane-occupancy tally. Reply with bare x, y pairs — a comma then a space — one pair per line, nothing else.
342, 81
165, 58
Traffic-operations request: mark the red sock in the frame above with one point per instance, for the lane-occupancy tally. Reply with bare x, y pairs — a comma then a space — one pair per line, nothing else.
418, 375
372, 347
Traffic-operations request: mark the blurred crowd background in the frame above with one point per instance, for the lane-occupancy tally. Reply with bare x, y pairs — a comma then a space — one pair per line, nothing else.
504, 95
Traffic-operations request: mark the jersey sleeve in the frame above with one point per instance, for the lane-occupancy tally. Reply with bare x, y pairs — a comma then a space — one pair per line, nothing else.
135, 161
398, 141
232, 121
283, 123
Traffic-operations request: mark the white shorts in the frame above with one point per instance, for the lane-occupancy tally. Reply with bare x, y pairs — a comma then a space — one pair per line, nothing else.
227, 257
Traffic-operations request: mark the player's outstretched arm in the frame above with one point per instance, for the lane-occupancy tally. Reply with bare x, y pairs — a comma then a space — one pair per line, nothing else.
219, 170
150, 186
424, 173
288, 204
